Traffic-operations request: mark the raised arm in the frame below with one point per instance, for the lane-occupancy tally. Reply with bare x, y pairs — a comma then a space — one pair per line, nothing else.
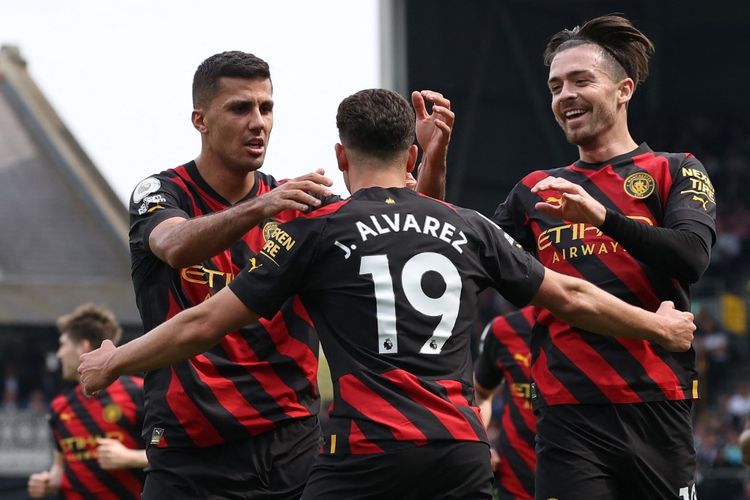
190, 332
586, 306
433, 134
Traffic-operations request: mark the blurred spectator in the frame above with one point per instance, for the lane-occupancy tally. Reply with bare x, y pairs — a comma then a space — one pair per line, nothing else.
738, 405
714, 344
10, 388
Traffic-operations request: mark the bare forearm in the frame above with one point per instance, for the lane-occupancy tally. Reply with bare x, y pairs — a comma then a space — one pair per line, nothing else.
186, 242
176, 340
191, 332
584, 305
431, 180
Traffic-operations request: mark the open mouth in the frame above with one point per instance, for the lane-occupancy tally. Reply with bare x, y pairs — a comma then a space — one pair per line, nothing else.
573, 114
256, 146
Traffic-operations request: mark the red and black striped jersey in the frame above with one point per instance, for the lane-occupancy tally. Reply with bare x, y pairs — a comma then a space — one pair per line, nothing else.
570, 365
257, 377
390, 279
77, 421
505, 358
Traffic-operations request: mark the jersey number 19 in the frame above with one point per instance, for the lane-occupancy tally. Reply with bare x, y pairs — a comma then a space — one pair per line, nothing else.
446, 306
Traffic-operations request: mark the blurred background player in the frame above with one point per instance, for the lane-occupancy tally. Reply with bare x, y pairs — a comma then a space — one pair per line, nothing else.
99, 452
193, 228
614, 414
504, 364
400, 273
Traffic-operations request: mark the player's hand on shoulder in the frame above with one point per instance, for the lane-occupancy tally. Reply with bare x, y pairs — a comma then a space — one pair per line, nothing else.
679, 328
93, 371
299, 193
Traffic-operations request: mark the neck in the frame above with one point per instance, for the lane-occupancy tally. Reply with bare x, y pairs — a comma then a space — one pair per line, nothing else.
231, 184
613, 142
364, 176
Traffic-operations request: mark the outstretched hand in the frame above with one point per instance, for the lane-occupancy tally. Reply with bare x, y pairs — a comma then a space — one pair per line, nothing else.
93, 371
433, 129
680, 328
573, 205
296, 194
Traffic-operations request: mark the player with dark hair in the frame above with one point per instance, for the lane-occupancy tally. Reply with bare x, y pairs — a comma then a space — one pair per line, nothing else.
614, 413
504, 366
99, 449
248, 405
390, 278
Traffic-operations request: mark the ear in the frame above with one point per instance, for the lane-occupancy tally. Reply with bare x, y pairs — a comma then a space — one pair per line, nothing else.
412, 160
198, 119
86, 346
341, 157
625, 90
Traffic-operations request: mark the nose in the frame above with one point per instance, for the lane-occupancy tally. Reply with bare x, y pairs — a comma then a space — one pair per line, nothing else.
255, 119
568, 91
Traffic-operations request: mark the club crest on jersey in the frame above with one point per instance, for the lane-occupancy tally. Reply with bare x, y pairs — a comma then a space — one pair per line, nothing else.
112, 413
145, 187
639, 185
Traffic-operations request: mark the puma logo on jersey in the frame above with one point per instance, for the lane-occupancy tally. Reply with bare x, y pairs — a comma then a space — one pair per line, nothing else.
524, 360
254, 265
554, 201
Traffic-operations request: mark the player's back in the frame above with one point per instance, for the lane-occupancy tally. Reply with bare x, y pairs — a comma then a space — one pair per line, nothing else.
391, 284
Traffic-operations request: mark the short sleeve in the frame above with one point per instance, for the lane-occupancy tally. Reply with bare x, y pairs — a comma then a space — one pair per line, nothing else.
154, 200
515, 273
280, 269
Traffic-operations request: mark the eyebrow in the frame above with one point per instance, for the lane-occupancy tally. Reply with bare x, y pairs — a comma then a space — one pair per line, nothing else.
574, 73
240, 102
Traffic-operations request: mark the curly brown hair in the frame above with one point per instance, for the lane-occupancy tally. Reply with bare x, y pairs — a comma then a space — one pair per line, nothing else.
90, 322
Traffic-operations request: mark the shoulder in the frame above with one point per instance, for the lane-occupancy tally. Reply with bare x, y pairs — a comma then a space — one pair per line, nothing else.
59, 402
166, 180
677, 160
129, 381
266, 181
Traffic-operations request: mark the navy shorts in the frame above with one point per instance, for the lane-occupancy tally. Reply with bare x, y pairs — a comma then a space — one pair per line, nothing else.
273, 465
437, 470
625, 451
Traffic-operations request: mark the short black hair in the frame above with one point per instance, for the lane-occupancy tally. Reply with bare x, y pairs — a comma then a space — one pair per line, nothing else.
233, 64
90, 322
627, 49
376, 122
